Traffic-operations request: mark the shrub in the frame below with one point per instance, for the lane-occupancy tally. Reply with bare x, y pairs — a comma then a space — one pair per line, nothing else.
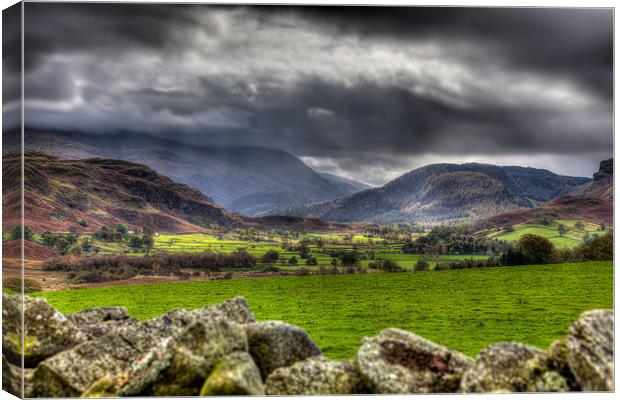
14, 283
536, 249
422, 266
123, 267
311, 261
16, 233
598, 249
270, 257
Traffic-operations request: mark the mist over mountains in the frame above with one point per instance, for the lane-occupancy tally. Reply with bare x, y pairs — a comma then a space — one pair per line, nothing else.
257, 181
245, 179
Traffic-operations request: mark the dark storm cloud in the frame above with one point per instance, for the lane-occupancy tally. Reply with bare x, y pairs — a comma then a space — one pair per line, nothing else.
359, 91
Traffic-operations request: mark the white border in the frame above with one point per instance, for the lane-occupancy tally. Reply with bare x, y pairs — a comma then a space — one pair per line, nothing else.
478, 3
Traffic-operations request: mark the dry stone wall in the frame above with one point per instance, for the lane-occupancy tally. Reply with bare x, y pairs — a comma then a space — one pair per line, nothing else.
223, 350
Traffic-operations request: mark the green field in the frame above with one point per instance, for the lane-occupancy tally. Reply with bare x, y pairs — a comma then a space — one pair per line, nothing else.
572, 238
463, 309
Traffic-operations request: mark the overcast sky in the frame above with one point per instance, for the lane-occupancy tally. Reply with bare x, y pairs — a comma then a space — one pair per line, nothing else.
367, 93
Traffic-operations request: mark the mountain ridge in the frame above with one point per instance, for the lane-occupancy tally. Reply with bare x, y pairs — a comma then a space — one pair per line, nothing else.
445, 192
227, 174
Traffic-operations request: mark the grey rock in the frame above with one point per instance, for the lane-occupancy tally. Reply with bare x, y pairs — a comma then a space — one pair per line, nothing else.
11, 378
276, 344
396, 361
235, 310
591, 350
512, 367
71, 372
558, 361
98, 315
235, 374
193, 354
316, 375
47, 331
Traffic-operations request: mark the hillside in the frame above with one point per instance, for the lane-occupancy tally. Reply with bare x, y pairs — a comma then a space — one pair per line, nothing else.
249, 180
83, 195
444, 193
349, 185
591, 202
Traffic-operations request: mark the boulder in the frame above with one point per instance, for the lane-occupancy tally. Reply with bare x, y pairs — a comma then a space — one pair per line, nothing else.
71, 372
512, 367
558, 361
235, 374
235, 310
396, 361
194, 353
591, 350
316, 375
98, 315
47, 332
276, 344
11, 378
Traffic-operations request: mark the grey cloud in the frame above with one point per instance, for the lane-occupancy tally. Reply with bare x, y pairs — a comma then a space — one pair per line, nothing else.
369, 89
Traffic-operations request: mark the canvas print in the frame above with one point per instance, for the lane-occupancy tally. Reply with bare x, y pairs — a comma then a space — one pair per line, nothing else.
306, 200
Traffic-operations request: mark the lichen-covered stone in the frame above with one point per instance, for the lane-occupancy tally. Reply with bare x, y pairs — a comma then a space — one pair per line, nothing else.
558, 361
276, 344
234, 310
512, 367
591, 350
11, 378
396, 361
316, 375
71, 372
47, 332
234, 374
98, 315
194, 353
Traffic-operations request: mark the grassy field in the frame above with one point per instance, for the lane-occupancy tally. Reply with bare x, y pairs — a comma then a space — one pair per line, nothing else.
201, 242
463, 309
573, 237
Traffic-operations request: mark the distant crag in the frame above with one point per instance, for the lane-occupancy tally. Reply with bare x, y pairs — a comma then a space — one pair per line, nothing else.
222, 350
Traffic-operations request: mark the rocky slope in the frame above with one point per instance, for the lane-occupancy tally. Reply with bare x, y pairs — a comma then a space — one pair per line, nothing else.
444, 193
592, 201
248, 180
222, 350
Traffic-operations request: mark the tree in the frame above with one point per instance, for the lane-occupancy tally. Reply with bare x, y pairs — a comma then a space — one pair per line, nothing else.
122, 229
312, 261
509, 228
536, 249
603, 226
422, 265
86, 244
135, 242
579, 225
147, 239
16, 233
598, 249
561, 229
349, 259
270, 257
292, 260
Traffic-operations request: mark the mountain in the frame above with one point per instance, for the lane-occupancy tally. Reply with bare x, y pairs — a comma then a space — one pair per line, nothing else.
83, 195
349, 185
592, 202
249, 180
445, 193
